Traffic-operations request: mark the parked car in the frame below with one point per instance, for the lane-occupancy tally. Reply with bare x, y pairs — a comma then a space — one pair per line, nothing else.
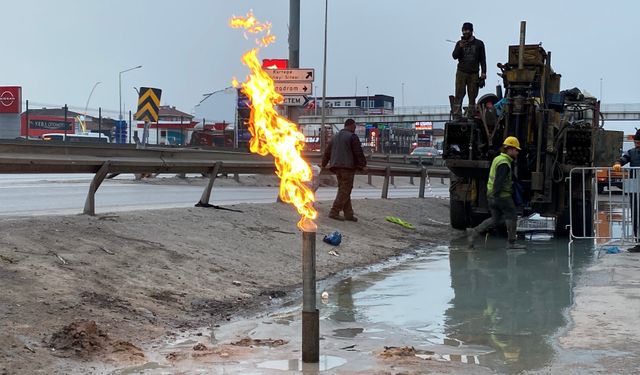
428, 154
76, 138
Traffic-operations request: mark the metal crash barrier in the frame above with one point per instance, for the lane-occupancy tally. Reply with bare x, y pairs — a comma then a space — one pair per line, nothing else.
101, 160
604, 205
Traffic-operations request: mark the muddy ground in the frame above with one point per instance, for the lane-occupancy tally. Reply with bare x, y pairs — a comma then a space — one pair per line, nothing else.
90, 294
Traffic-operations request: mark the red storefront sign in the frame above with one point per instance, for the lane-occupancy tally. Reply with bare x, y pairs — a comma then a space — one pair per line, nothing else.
10, 99
39, 125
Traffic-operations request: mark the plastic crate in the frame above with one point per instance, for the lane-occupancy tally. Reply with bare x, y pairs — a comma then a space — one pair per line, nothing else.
536, 224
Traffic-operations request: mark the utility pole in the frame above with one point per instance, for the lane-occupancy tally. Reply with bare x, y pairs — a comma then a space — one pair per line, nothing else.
323, 141
294, 34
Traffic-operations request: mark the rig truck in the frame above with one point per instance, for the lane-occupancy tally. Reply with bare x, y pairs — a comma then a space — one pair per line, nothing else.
558, 131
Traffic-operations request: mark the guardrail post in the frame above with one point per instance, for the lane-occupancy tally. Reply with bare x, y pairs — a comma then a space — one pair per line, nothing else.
393, 180
369, 179
90, 203
236, 177
423, 182
411, 180
385, 185
206, 194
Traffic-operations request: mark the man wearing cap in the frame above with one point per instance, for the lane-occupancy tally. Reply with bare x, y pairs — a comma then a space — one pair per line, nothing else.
500, 195
470, 53
632, 157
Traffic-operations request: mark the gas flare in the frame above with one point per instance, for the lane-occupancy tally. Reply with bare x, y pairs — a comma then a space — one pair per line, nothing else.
272, 133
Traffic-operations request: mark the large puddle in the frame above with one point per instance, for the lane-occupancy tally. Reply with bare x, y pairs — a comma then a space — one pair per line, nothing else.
487, 306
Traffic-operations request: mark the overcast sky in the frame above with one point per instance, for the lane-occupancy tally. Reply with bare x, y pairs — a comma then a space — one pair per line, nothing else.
57, 50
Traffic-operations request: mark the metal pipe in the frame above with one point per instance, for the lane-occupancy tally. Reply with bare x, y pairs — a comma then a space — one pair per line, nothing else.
308, 271
310, 315
423, 182
523, 28
100, 123
294, 33
27, 139
323, 141
66, 115
385, 184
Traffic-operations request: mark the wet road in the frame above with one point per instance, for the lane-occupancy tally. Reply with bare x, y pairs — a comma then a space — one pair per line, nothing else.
31, 194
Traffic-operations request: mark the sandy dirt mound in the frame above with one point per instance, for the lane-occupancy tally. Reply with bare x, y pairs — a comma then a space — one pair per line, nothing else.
83, 339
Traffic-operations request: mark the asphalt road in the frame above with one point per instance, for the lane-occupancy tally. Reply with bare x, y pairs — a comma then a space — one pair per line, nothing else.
47, 194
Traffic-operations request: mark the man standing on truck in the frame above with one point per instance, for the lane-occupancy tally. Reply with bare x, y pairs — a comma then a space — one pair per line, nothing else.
344, 156
500, 195
470, 53
632, 157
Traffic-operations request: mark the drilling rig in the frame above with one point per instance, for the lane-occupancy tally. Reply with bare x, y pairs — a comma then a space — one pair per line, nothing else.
558, 131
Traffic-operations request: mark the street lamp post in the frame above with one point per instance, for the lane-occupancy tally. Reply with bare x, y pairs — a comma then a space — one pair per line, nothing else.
86, 106
120, 87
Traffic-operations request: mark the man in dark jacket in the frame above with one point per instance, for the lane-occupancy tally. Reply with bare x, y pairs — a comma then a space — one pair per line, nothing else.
344, 156
632, 157
471, 57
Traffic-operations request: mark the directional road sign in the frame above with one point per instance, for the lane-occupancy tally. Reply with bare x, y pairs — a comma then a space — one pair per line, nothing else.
289, 75
295, 101
148, 104
293, 88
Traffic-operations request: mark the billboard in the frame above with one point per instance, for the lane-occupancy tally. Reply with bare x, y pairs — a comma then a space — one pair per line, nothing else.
10, 99
39, 125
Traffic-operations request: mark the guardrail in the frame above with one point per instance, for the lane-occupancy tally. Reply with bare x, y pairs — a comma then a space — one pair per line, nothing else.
49, 157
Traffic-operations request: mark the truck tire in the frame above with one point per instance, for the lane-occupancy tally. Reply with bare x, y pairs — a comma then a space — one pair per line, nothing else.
458, 211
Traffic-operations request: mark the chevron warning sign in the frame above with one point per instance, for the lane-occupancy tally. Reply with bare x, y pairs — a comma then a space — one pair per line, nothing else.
148, 104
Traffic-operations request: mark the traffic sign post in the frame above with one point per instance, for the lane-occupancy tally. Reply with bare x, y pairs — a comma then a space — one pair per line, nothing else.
295, 101
148, 108
291, 75
293, 88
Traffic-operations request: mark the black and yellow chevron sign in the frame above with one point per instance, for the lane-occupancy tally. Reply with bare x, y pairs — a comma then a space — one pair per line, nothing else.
148, 104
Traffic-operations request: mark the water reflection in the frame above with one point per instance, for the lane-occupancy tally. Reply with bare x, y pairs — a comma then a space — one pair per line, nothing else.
511, 301
497, 308
326, 362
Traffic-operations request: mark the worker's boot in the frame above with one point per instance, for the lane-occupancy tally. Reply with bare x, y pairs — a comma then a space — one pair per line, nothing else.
515, 246
471, 111
456, 111
511, 233
472, 236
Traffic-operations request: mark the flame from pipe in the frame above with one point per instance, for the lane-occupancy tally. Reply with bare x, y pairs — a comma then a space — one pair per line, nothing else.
271, 133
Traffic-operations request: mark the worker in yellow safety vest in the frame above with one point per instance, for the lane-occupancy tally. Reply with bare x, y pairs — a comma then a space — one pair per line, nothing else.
500, 195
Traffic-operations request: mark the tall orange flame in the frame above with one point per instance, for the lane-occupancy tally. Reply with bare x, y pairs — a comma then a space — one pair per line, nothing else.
272, 133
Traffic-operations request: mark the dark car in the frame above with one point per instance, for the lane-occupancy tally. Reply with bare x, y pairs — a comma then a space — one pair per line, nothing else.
428, 154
